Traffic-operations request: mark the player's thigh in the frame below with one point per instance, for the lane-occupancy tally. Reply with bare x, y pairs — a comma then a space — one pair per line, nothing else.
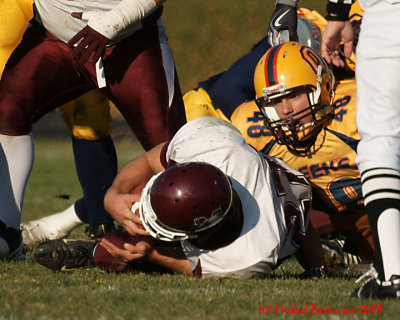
378, 94
88, 117
148, 94
37, 78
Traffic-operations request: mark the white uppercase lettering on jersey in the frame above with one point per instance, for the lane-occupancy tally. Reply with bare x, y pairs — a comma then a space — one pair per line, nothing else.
264, 238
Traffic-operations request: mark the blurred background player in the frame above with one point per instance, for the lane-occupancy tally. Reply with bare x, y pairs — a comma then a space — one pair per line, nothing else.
88, 119
214, 211
378, 122
109, 59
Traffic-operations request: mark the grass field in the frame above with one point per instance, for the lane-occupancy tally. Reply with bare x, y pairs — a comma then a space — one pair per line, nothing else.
30, 291
206, 37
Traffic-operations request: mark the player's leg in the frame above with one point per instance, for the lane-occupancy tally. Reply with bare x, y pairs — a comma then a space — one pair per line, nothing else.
54, 226
16, 161
20, 108
88, 119
148, 95
95, 157
378, 122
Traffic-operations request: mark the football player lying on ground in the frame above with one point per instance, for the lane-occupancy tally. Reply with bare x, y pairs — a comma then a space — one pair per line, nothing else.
220, 208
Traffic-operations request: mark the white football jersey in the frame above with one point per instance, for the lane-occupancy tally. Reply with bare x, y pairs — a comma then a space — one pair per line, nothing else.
269, 198
55, 16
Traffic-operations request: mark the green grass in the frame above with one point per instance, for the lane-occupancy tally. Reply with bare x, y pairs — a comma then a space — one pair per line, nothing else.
206, 37
30, 291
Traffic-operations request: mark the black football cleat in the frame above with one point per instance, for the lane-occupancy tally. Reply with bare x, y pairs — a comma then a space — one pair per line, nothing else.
374, 288
65, 254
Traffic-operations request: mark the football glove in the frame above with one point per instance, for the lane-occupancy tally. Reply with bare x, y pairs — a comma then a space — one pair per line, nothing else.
89, 42
103, 26
283, 25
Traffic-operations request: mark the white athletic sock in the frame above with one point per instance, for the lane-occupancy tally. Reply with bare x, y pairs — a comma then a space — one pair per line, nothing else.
389, 237
54, 226
64, 221
16, 161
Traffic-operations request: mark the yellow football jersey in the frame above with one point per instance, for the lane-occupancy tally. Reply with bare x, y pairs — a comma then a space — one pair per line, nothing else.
330, 165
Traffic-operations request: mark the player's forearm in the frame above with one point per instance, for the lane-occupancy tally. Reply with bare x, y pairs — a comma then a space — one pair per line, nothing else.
171, 258
137, 171
124, 14
310, 253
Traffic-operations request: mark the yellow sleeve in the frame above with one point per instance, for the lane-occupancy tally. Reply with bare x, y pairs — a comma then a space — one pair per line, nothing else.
14, 17
313, 16
198, 104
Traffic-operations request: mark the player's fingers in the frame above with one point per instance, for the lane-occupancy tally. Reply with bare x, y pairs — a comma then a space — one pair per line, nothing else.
348, 48
79, 50
134, 229
122, 254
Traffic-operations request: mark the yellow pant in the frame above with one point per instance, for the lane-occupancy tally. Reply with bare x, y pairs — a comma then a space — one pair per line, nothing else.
88, 117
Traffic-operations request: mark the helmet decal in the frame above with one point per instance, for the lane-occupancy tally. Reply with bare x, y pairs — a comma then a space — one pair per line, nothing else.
311, 58
270, 66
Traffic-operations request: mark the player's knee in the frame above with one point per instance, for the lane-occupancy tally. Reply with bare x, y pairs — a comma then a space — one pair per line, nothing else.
13, 121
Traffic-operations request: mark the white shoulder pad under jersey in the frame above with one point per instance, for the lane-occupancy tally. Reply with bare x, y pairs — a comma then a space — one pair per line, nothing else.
264, 233
55, 15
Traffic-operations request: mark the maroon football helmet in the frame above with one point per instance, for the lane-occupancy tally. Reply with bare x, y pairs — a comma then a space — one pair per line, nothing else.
184, 200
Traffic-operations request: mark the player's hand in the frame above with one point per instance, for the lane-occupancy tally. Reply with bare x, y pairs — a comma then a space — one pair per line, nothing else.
129, 252
337, 32
88, 41
283, 20
119, 207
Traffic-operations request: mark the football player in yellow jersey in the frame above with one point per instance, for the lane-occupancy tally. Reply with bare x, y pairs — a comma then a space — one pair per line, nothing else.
89, 119
331, 169
313, 130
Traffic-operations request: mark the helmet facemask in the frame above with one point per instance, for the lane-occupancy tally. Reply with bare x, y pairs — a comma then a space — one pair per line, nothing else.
298, 137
